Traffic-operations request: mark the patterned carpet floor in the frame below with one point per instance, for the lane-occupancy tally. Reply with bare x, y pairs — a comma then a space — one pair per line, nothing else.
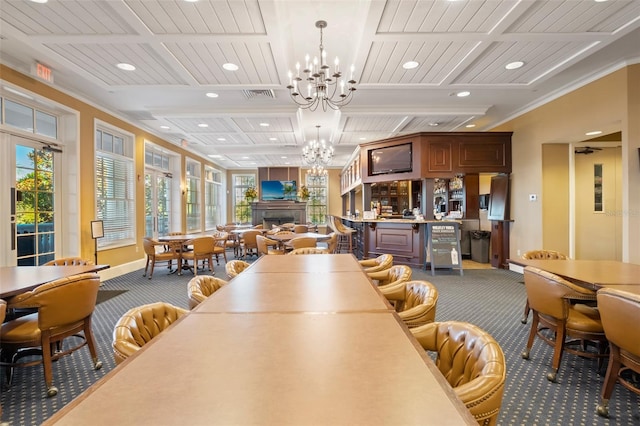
492, 299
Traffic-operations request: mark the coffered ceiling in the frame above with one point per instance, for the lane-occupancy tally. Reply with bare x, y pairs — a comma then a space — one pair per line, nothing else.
178, 49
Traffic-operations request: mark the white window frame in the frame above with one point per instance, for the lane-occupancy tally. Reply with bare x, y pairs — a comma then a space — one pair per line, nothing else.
316, 190
128, 160
239, 197
213, 182
193, 195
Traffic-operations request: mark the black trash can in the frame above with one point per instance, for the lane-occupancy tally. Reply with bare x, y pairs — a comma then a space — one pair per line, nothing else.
480, 246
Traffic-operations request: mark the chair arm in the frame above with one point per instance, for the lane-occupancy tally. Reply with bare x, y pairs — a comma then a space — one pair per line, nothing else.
418, 315
379, 275
397, 291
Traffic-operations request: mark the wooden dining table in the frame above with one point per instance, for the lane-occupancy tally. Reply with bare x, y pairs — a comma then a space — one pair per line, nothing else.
592, 274
284, 238
18, 279
290, 348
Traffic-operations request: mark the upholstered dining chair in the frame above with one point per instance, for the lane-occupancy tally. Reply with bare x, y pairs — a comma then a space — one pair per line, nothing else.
619, 311
301, 242
65, 307
139, 325
153, 256
199, 288
220, 245
308, 250
471, 361
234, 267
267, 246
380, 263
556, 318
389, 279
68, 261
332, 242
415, 302
3, 314
249, 243
540, 254
300, 229
203, 249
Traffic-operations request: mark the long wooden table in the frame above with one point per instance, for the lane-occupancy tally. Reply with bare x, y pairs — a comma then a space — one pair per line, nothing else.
18, 279
278, 355
593, 274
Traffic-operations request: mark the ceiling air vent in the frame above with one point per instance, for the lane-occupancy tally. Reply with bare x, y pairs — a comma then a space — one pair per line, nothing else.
259, 94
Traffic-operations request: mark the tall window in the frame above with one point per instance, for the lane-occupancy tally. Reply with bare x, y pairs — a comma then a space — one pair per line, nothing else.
115, 183
241, 207
212, 198
318, 197
193, 196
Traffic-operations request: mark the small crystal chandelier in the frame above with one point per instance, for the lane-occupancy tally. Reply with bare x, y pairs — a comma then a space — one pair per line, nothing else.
317, 172
322, 85
317, 153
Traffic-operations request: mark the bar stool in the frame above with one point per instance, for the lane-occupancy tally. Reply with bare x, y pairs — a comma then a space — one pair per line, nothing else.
344, 233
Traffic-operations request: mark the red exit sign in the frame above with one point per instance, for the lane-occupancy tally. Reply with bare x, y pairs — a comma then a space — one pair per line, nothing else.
44, 72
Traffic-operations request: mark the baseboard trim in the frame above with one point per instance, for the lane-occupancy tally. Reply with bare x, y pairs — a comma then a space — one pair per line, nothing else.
125, 268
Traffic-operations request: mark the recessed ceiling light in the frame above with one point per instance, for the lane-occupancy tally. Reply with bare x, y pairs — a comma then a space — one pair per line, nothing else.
470, 126
514, 65
212, 95
126, 67
410, 65
286, 163
191, 1
595, 132
222, 139
40, 1
601, 1
363, 139
245, 158
463, 94
165, 127
273, 139
230, 67
215, 156
264, 124
203, 125
434, 124
283, 157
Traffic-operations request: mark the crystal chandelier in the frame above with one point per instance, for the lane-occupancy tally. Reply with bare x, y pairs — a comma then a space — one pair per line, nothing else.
317, 172
322, 87
316, 152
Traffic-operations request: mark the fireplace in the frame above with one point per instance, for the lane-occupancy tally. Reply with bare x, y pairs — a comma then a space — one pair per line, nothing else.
270, 213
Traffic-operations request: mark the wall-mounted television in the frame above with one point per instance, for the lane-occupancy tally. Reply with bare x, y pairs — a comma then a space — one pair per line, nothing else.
391, 159
278, 190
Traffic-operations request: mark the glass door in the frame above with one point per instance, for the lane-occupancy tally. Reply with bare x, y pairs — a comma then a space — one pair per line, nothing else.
31, 238
157, 190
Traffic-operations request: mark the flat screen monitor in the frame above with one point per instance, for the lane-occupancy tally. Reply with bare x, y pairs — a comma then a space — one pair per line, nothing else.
391, 159
278, 190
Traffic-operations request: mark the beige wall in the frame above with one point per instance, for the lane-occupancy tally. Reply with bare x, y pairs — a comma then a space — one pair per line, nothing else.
555, 198
611, 103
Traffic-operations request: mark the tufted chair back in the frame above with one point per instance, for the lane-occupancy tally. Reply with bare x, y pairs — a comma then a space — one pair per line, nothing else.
199, 288
68, 261
308, 250
415, 302
380, 263
544, 254
471, 361
139, 325
234, 267
396, 275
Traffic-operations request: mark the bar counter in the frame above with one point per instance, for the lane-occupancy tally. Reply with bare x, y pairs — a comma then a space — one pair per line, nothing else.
405, 239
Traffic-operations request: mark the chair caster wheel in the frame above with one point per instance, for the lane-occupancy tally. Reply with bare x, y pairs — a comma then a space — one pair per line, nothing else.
525, 355
523, 320
52, 391
603, 410
97, 365
552, 377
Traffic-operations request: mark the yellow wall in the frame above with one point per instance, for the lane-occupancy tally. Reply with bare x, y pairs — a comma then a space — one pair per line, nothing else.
611, 103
